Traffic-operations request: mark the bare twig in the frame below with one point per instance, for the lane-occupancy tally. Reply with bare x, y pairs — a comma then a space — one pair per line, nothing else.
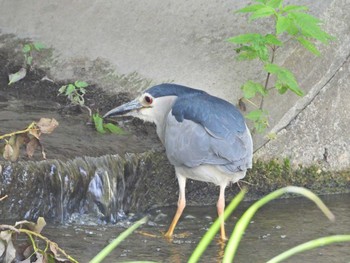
30, 127
4, 197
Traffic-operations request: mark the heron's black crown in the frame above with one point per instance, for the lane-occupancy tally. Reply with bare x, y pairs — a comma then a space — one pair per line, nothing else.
168, 89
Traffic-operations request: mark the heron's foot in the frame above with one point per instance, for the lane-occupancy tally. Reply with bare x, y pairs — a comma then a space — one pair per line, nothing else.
170, 235
147, 234
183, 235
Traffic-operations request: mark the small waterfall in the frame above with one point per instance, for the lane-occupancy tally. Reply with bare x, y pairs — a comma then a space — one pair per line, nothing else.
106, 187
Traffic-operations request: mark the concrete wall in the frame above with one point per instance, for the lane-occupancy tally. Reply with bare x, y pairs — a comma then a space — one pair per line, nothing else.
184, 42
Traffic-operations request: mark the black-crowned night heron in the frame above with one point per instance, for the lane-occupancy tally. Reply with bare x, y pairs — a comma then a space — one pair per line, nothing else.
205, 137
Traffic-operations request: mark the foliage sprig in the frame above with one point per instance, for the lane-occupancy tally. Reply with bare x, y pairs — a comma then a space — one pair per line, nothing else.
292, 21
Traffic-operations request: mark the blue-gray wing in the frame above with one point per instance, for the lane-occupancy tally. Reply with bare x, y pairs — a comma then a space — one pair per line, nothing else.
198, 134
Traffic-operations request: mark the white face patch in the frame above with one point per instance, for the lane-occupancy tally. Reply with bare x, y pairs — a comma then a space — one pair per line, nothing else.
155, 109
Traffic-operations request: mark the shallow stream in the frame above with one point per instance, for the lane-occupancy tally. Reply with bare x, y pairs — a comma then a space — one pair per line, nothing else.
278, 226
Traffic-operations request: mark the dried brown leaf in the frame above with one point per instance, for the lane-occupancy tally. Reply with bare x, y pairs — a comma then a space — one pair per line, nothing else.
12, 140
47, 125
35, 133
17, 76
39, 258
26, 224
42, 151
8, 152
19, 139
31, 146
241, 104
2, 247
10, 252
56, 253
27, 251
40, 224
35, 227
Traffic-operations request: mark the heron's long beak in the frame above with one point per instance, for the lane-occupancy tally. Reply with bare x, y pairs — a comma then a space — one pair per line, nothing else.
125, 108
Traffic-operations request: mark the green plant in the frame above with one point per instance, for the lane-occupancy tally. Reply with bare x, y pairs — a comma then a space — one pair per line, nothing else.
29, 49
291, 22
102, 127
75, 93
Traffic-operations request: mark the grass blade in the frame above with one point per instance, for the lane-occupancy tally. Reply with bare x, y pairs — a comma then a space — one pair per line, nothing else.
108, 249
209, 235
310, 245
243, 222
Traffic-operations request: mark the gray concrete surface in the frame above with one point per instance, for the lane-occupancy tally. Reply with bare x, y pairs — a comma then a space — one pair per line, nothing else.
184, 42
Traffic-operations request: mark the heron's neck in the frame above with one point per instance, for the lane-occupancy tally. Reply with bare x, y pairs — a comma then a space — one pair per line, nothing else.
161, 111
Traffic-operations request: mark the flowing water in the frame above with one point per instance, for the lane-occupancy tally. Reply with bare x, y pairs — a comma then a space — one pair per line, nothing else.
278, 226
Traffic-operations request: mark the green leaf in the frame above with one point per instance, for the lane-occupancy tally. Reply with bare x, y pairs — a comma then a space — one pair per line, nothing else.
98, 121
261, 50
254, 115
259, 117
292, 28
281, 88
282, 24
29, 60
274, 3
284, 77
38, 46
81, 84
305, 18
309, 26
244, 38
246, 53
272, 68
62, 89
80, 100
309, 46
289, 8
70, 89
250, 8
263, 12
82, 90
17, 76
113, 128
273, 40
26, 48
250, 88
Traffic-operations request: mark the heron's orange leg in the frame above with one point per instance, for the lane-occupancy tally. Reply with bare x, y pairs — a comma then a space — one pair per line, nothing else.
221, 209
180, 206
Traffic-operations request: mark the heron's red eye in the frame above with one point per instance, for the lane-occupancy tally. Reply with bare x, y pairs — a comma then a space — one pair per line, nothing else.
148, 99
